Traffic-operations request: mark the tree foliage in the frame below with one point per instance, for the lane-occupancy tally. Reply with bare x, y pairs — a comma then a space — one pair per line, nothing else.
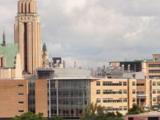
56, 118
135, 110
96, 112
29, 116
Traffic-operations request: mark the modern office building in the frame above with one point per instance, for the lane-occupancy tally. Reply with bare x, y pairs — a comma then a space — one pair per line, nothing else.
69, 93
66, 94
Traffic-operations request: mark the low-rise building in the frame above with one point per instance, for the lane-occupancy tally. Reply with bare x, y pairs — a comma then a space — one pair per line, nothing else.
13, 98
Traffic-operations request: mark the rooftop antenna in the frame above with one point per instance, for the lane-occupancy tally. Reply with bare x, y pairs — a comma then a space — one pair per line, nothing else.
75, 64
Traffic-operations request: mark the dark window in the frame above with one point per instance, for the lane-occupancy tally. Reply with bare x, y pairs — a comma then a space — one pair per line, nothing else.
20, 93
153, 118
154, 83
20, 102
1, 62
124, 83
125, 91
25, 48
130, 118
154, 91
133, 83
20, 110
133, 92
20, 85
98, 92
98, 83
134, 100
98, 100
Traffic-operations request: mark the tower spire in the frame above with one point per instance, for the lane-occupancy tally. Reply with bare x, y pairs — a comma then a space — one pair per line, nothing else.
4, 39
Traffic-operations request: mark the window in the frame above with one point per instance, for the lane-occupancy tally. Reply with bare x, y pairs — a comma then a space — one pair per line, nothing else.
154, 99
158, 91
154, 65
125, 100
98, 100
98, 92
20, 102
154, 71
20, 110
1, 62
110, 83
20, 85
20, 93
158, 83
124, 83
133, 92
125, 91
154, 91
133, 83
130, 118
112, 92
134, 100
153, 118
154, 83
140, 84
112, 100
98, 83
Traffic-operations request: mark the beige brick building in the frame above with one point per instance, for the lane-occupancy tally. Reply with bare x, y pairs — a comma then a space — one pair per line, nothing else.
121, 94
151, 68
41, 97
13, 98
114, 94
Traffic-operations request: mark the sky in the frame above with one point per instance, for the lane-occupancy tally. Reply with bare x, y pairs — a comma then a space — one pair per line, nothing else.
93, 32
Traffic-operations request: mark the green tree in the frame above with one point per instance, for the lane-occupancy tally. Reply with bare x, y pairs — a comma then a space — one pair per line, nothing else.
29, 116
56, 118
135, 110
96, 112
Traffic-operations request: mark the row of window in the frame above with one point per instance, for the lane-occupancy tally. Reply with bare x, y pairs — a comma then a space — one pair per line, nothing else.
138, 92
154, 65
111, 100
112, 92
154, 71
117, 109
67, 112
109, 83
20, 102
156, 83
156, 91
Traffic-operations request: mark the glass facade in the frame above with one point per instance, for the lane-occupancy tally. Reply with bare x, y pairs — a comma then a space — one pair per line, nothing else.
68, 98
31, 96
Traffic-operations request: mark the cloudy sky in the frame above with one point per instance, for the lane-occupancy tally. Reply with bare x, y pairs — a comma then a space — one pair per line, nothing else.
94, 31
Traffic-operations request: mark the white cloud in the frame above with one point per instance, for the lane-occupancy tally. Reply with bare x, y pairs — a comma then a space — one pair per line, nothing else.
94, 30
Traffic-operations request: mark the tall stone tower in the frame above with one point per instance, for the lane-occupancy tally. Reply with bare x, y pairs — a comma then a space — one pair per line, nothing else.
27, 35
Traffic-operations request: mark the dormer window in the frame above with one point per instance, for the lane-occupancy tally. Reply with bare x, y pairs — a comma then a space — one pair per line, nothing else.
1, 62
